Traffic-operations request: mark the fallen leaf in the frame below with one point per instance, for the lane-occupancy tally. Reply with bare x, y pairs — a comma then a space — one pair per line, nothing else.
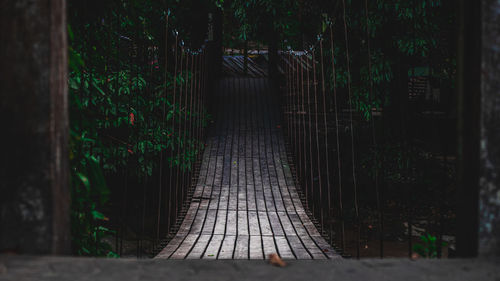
275, 260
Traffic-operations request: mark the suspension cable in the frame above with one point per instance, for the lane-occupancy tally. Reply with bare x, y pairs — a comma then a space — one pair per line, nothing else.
325, 122
337, 135
356, 207
318, 153
374, 136
160, 181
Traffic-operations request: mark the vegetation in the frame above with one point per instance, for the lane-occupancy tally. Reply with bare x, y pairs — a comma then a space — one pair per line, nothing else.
121, 107
428, 248
121, 98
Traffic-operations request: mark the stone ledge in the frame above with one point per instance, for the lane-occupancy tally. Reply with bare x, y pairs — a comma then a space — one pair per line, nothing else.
95, 269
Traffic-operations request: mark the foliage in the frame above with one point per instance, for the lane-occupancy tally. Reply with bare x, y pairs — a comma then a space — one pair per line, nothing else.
428, 246
258, 20
121, 108
89, 191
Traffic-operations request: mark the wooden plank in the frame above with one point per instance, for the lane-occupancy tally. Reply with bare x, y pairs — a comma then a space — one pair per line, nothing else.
297, 224
242, 223
209, 225
227, 248
251, 198
232, 223
311, 247
241, 248
275, 224
242, 179
307, 223
233, 197
223, 198
284, 250
297, 247
213, 200
220, 223
256, 251
278, 200
288, 228
242, 197
325, 247
185, 247
234, 166
170, 248
253, 223
199, 221
264, 223
185, 227
269, 199
199, 247
268, 246
213, 247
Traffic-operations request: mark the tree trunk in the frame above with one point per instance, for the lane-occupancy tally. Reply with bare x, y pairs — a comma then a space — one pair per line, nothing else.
34, 186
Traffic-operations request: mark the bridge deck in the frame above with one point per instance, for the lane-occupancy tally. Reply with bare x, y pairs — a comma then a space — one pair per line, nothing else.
245, 205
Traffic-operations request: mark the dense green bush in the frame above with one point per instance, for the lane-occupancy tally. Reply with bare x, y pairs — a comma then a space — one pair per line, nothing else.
121, 108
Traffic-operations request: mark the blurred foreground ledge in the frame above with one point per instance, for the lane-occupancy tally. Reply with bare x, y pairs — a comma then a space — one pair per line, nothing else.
75, 269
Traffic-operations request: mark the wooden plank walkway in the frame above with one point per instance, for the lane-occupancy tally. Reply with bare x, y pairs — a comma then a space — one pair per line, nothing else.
245, 204
234, 65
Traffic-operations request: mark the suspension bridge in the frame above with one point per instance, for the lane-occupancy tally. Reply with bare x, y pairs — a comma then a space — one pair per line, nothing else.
245, 204
283, 151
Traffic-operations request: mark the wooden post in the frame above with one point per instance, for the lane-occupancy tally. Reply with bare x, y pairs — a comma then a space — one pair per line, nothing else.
489, 187
468, 78
34, 184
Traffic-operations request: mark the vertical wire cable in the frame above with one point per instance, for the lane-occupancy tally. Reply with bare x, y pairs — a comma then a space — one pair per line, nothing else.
194, 114
318, 153
374, 137
356, 207
295, 113
116, 112
337, 135
138, 57
298, 122
200, 97
303, 121
288, 106
410, 215
202, 94
293, 108
165, 96
192, 103
178, 139
183, 129
325, 122
311, 166
187, 127
150, 59
199, 116
287, 88
172, 136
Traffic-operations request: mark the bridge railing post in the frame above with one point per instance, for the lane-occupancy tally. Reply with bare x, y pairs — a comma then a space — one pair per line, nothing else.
34, 186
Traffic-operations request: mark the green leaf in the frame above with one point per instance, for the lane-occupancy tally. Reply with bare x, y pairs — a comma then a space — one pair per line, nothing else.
98, 215
84, 180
